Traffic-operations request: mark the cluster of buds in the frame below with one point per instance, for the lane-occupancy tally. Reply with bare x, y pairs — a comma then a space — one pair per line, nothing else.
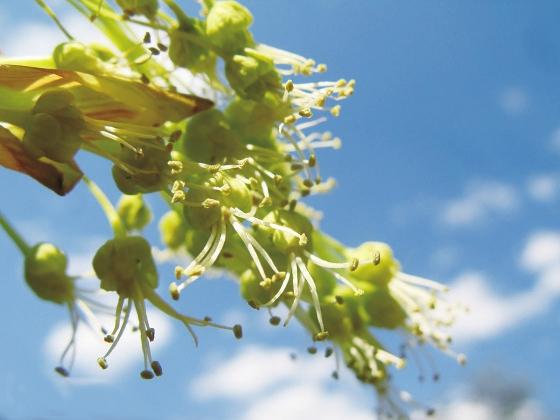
233, 170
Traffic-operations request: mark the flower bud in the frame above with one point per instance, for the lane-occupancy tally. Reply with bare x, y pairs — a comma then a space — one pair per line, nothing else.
341, 320
383, 310
147, 8
134, 212
184, 52
208, 138
227, 26
252, 290
172, 229
54, 127
288, 242
77, 57
121, 262
149, 171
252, 75
380, 266
201, 217
45, 273
255, 121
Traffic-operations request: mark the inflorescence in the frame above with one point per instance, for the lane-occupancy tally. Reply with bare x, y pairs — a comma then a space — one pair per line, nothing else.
233, 168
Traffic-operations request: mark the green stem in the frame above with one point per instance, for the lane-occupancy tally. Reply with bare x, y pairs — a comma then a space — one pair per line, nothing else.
14, 235
52, 15
110, 212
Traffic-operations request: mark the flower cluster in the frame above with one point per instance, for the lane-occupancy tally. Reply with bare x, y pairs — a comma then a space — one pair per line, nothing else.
232, 168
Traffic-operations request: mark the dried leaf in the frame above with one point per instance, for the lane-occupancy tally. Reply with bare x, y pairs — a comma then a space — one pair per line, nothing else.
59, 177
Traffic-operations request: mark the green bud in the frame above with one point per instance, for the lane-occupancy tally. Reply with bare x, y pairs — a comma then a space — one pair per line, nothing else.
150, 171
324, 280
103, 52
238, 195
172, 229
122, 263
255, 121
53, 130
201, 217
383, 310
187, 53
45, 273
252, 291
77, 57
252, 75
287, 242
227, 26
378, 267
134, 212
148, 8
209, 138
342, 321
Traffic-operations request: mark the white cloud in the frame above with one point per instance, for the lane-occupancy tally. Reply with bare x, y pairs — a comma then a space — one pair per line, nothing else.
304, 402
514, 100
268, 384
544, 188
480, 200
493, 313
252, 371
469, 409
89, 346
542, 251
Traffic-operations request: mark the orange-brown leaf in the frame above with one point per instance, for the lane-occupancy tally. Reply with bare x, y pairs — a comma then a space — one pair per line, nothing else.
60, 178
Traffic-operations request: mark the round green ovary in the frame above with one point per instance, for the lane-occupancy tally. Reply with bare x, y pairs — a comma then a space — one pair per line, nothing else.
123, 263
377, 264
45, 273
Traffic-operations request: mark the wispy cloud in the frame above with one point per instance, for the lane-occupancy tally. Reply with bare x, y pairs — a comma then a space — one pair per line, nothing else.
492, 313
514, 100
544, 188
555, 140
267, 383
480, 200
464, 408
542, 251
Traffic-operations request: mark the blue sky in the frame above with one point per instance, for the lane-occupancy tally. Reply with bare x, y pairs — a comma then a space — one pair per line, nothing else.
450, 153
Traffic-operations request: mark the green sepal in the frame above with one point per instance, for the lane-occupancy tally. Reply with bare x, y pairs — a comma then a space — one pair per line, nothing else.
45, 273
122, 263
